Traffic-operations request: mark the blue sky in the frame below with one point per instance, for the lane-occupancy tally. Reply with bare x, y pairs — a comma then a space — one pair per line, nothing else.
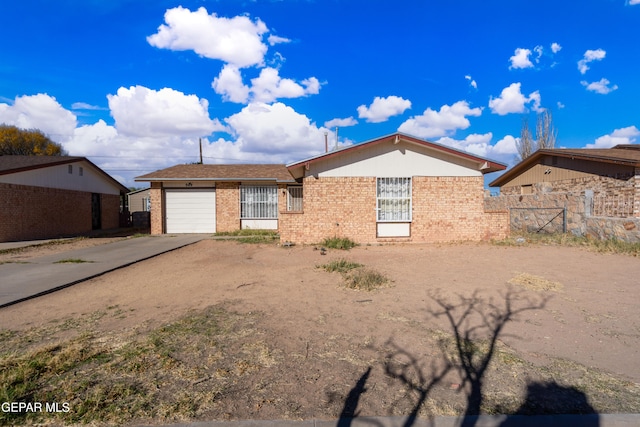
133, 84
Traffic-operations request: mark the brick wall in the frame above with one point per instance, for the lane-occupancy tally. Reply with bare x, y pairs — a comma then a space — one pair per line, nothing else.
444, 209
227, 206
157, 208
29, 213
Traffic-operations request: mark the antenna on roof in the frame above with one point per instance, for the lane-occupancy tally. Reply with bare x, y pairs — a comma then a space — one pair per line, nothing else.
326, 142
336, 137
200, 140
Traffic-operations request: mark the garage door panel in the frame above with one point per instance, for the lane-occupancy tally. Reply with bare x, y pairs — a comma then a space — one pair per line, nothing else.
190, 211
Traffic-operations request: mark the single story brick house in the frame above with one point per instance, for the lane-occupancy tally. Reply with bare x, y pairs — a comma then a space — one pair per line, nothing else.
54, 196
608, 175
393, 188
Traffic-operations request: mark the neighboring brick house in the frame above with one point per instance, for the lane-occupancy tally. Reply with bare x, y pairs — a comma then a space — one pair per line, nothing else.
54, 196
201, 198
610, 177
394, 188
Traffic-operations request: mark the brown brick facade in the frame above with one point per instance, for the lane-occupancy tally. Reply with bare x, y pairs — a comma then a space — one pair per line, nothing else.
227, 206
444, 209
157, 208
29, 212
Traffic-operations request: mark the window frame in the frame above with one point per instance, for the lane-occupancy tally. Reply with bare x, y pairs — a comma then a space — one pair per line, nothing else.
398, 202
295, 203
258, 202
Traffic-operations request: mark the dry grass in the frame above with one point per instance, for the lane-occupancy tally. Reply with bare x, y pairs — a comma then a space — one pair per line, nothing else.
535, 283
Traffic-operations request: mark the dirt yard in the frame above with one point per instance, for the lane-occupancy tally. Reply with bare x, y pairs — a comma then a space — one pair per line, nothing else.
224, 330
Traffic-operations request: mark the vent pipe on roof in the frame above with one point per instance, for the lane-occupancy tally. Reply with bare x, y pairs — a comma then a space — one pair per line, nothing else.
336, 137
326, 142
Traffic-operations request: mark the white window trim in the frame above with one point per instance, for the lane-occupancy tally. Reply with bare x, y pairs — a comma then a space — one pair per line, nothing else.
392, 198
250, 209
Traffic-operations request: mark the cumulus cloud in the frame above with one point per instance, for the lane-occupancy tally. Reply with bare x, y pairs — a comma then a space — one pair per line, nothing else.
602, 86
272, 132
229, 85
480, 145
626, 135
590, 56
349, 121
41, 112
520, 59
267, 87
633, 2
139, 111
382, 108
555, 47
511, 100
433, 124
236, 40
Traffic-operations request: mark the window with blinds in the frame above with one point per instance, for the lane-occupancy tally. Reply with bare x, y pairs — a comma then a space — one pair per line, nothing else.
294, 199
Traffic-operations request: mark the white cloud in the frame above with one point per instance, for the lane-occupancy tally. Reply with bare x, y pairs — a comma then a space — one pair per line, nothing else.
271, 132
538, 50
342, 123
555, 47
382, 108
511, 100
229, 84
273, 40
267, 87
520, 59
590, 56
602, 86
85, 106
472, 82
634, 2
236, 40
560, 105
432, 124
480, 145
41, 112
139, 111
626, 135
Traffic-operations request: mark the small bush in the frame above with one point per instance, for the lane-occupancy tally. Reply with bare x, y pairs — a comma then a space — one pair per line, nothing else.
365, 279
343, 243
340, 265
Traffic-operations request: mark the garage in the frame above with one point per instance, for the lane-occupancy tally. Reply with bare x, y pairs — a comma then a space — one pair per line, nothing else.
190, 210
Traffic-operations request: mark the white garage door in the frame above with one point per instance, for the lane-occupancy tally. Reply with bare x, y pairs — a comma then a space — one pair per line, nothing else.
191, 211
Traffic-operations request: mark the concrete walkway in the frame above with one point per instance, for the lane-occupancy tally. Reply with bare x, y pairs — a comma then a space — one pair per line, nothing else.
589, 420
39, 276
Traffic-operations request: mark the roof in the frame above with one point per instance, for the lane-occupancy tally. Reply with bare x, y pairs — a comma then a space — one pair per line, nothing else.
624, 154
484, 165
236, 172
15, 163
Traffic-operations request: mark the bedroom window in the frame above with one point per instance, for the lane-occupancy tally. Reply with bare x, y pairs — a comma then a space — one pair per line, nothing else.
294, 199
260, 202
393, 196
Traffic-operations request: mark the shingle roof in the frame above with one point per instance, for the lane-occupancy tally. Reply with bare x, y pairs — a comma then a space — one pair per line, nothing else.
628, 154
237, 172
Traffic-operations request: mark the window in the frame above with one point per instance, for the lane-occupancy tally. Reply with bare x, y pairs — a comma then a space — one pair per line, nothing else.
81, 172
294, 199
70, 169
258, 202
393, 197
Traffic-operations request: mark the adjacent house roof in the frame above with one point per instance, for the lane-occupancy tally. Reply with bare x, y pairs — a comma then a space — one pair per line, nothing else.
13, 164
624, 154
484, 165
198, 172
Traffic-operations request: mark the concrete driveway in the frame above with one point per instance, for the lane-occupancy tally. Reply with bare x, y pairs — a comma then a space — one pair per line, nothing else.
19, 282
